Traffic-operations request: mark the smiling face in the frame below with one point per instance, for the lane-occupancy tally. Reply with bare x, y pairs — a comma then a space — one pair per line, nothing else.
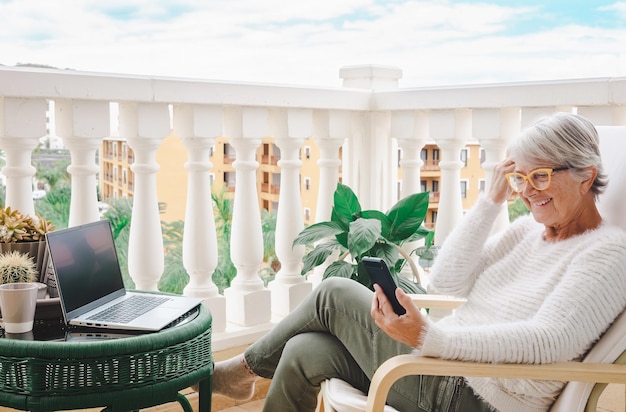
562, 206
567, 206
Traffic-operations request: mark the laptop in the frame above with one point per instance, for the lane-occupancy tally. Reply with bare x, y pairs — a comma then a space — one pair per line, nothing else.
91, 289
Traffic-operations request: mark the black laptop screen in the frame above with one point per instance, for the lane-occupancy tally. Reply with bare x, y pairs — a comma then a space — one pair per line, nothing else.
85, 263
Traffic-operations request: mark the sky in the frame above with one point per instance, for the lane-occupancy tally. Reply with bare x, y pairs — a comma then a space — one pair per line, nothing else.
295, 42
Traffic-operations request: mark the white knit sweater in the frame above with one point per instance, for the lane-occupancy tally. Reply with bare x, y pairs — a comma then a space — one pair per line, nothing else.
529, 301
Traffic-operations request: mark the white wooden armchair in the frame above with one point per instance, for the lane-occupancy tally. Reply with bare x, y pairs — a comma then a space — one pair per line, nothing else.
605, 363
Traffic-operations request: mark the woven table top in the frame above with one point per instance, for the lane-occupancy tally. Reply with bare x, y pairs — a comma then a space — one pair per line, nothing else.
123, 374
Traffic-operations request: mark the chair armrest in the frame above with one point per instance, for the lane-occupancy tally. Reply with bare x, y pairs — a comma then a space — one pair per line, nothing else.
437, 301
404, 365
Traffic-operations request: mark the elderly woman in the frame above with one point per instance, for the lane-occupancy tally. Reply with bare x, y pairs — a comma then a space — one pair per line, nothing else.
541, 291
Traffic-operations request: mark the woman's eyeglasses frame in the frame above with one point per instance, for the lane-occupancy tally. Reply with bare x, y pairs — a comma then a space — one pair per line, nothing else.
518, 188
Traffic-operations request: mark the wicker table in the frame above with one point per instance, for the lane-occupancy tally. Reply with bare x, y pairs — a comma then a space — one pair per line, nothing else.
119, 374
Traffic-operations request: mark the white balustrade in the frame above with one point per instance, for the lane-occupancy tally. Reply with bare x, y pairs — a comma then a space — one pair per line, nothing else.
198, 126
83, 124
411, 129
451, 130
247, 299
145, 125
22, 123
495, 128
289, 128
368, 119
330, 129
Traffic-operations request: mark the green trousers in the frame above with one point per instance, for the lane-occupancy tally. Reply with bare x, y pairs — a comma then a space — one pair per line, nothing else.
332, 335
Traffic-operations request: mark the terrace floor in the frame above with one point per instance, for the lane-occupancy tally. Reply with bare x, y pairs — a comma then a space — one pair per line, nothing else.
613, 398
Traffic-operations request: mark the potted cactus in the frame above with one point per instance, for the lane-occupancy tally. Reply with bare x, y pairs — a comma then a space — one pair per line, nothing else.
27, 235
17, 267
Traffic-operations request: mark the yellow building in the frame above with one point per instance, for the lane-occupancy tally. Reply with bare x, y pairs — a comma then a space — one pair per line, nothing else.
117, 179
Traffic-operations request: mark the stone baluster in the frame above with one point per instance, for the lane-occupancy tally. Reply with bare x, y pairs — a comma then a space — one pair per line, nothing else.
289, 129
451, 129
198, 127
247, 299
145, 125
83, 124
532, 114
494, 129
412, 130
22, 123
330, 129
604, 115
369, 155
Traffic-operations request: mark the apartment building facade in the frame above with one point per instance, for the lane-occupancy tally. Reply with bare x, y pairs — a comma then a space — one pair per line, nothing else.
117, 178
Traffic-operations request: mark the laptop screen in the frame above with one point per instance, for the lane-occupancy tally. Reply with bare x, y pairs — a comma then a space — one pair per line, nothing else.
85, 263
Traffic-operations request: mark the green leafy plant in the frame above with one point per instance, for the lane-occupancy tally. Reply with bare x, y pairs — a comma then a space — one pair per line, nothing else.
16, 267
359, 233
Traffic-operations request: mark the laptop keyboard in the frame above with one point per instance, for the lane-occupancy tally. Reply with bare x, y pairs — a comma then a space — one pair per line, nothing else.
129, 309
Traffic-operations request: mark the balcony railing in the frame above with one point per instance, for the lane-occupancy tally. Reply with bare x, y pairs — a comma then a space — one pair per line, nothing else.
370, 119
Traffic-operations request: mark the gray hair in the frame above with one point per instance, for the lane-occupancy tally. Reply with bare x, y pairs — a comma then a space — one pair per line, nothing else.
562, 140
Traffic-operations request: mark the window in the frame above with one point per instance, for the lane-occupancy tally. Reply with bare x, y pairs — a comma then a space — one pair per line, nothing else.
399, 156
433, 216
307, 183
424, 154
307, 214
423, 186
483, 156
435, 154
481, 185
435, 186
463, 189
307, 152
464, 156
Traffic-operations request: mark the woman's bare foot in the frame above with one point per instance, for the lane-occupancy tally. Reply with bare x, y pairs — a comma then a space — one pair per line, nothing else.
233, 378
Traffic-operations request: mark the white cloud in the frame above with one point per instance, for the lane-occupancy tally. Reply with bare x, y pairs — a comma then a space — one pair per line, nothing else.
619, 8
305, 42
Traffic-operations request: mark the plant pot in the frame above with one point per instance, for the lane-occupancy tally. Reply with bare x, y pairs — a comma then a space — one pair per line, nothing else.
47, 309
42, 290
36, 250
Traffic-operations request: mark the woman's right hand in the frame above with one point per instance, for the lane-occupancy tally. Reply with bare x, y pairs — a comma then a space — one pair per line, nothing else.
408, 328
499, 191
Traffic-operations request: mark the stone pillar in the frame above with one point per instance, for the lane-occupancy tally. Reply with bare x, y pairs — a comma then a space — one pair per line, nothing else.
495, 128
412, 130
604, 115
330, 129
451, 129
145, 125
371, 167
22, 123
290, 128
198, 126
83, 124
247, 299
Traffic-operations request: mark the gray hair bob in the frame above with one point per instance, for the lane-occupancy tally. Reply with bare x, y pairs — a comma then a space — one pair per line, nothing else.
562, 140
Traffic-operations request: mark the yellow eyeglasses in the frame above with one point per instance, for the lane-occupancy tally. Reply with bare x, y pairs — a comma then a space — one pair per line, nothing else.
538, 178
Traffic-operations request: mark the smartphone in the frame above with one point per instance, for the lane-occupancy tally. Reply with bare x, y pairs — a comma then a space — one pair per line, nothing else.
379, 273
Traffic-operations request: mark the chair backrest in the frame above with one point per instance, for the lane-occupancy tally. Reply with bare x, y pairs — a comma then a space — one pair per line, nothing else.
611, 205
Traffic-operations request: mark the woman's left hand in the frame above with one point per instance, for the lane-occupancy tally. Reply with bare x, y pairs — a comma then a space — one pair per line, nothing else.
407, 328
